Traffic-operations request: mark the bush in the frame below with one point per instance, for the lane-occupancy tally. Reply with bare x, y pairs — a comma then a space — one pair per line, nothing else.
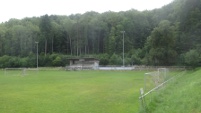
4, 61
14, 62
115, 60
192, 58
135, 59
31, 60
104, 59
57, 61
24, 62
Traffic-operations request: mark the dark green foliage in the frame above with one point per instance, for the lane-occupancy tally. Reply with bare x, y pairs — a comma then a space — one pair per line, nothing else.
136, 56
4, 61
104, 59
115, 60
162, 43
57, 61
192, 58
30, 61
163, 36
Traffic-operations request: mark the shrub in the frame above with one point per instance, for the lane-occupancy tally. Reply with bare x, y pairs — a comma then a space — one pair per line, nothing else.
192, 58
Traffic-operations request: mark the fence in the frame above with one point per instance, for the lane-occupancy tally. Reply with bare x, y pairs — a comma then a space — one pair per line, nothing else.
152, 68
144, 92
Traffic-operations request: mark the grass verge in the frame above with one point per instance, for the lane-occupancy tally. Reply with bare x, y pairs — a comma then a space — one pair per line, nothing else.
182, 95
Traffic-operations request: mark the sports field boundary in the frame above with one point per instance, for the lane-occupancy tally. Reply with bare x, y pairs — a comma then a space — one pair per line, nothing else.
142, 96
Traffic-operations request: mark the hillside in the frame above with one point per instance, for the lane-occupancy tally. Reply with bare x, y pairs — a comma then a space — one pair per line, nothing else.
182, 95
166, 36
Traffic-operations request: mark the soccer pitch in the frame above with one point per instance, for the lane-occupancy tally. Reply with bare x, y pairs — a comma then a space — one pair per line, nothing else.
71, 92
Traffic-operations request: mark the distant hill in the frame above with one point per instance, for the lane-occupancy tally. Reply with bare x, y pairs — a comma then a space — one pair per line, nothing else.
99, 35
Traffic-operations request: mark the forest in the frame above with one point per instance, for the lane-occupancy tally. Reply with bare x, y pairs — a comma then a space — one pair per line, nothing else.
167, 36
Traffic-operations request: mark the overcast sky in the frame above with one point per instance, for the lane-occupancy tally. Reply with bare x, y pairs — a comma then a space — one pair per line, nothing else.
28, 8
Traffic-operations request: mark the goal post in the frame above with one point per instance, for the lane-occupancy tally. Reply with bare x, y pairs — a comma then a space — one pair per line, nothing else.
15, 71
150, 80
164, 73
155, 78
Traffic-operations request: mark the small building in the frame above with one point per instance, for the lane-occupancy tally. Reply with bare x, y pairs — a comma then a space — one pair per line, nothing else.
83, 64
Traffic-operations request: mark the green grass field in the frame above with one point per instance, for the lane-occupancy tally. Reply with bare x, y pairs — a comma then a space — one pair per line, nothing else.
71, 92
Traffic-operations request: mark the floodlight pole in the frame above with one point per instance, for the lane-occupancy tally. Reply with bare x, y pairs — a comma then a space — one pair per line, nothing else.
123, 46
37, 53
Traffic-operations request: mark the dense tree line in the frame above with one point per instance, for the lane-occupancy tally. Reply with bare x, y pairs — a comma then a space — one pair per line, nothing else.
166, 36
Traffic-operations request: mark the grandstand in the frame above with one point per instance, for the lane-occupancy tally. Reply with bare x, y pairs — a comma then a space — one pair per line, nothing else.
83, 64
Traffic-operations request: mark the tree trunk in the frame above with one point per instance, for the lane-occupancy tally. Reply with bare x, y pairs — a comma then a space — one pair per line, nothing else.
71, 52
85, 50
45, 47
52, 44
77, 46
77, 39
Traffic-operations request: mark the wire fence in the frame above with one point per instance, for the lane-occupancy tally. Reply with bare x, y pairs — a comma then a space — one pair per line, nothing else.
144, 92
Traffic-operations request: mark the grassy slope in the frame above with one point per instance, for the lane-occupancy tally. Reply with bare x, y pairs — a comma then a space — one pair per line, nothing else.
71, 92
182, 95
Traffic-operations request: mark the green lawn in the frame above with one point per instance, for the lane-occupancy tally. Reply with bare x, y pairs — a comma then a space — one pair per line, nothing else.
71, 92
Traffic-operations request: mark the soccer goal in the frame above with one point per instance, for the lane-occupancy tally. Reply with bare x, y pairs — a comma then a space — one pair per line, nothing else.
153, 81
15, 71
155, 78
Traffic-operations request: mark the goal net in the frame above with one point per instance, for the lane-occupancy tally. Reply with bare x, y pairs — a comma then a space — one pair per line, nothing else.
15, 71
155, 78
